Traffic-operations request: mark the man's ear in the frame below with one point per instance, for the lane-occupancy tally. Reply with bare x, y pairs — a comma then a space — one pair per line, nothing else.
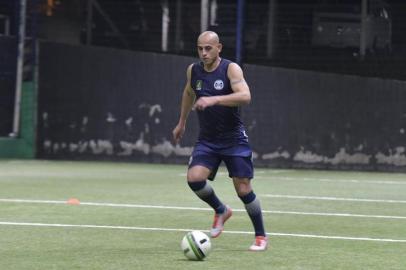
220, 47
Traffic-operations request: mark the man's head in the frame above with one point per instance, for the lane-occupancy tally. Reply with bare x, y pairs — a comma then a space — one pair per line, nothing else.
208, 47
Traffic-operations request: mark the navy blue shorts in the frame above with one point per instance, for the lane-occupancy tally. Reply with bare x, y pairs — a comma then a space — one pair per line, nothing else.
239, 163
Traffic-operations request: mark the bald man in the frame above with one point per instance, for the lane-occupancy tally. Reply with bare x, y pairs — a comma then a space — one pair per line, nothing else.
216, 88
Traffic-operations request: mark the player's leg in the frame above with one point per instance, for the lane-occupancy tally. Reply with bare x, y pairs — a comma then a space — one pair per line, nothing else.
241, 171
199, 170
253, 207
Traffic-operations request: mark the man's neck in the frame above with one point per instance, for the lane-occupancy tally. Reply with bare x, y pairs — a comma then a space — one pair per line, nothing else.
213, 66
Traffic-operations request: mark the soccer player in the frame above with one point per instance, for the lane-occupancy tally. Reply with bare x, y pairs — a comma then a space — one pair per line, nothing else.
215, 88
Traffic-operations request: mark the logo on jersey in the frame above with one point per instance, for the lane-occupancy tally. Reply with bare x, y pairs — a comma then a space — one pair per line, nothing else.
218, 84
199, 85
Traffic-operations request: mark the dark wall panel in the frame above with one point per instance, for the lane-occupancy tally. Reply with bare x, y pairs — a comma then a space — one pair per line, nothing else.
101, 103
108, 104
8, 60
310, 119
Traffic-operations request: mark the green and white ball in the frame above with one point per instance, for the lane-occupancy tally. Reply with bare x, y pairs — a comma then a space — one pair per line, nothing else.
196, 245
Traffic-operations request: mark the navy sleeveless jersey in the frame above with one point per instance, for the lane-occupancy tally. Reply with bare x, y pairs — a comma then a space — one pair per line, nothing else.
218, 124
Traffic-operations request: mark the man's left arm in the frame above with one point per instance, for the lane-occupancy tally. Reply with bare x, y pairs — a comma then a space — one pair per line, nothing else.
241, 92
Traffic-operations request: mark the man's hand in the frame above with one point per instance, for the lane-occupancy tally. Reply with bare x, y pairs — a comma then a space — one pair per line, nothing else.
204, 102
178, 132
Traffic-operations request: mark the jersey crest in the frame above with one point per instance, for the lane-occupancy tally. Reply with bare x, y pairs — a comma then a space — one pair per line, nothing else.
218, 85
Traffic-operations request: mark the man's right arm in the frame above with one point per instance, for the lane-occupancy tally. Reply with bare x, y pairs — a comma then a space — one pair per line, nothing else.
188, 98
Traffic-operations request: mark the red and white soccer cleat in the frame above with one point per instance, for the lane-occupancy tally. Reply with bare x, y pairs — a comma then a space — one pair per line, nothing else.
219, 220
260, 244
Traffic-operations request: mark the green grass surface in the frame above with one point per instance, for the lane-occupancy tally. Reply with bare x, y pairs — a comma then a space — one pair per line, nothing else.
33, 197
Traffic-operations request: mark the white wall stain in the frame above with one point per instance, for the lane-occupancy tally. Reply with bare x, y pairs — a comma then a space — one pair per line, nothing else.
165, 148
128, 122
154, 108
148, 144
308, 157
110, 118
101, 146
277, 154
140, 146
343, 157
182, 151
398, 158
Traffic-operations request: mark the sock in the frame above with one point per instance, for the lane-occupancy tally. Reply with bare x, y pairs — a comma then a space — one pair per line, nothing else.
253, 208
206, 193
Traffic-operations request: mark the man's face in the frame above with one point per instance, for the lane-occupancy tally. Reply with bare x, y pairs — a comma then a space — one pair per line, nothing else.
208, 50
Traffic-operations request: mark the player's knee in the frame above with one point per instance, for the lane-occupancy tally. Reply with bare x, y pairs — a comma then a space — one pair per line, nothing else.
243, 188
194, 177
243, 192
197, 174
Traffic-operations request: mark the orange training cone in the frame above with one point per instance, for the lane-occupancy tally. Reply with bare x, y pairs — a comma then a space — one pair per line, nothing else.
73, 201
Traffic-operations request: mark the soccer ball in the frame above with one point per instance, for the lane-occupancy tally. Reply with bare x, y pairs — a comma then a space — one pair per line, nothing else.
196, 245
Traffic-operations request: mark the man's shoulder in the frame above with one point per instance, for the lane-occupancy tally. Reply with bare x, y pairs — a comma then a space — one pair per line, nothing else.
228, 61
198, 65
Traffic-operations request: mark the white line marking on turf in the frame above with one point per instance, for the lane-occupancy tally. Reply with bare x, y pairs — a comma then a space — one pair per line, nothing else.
200, 208
332, 214
186, 230
32, 201
331, 198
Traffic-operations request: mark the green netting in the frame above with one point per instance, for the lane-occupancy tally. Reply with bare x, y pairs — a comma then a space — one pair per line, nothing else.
24, 145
